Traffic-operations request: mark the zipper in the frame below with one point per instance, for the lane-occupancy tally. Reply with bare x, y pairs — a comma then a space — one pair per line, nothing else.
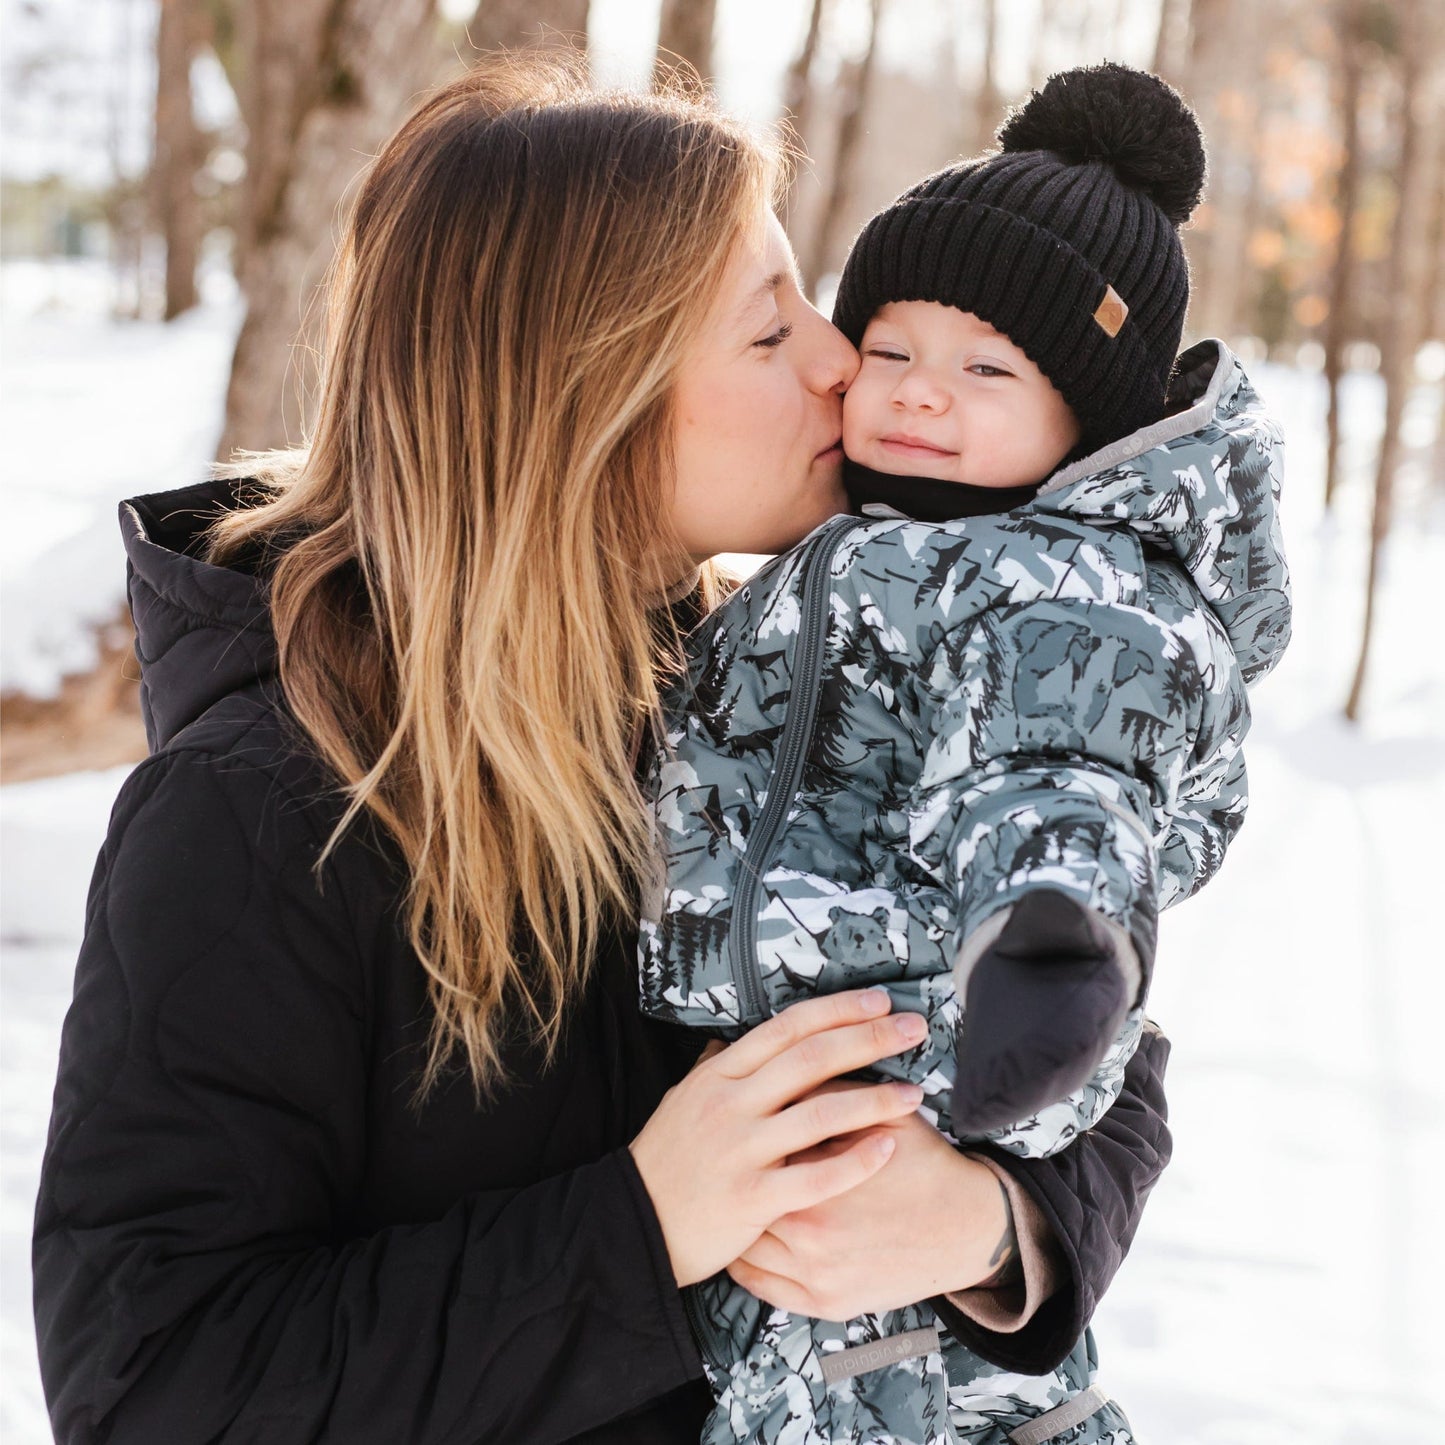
702, 1331
792, 750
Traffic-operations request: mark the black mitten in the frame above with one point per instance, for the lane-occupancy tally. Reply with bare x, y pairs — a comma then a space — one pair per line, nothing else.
1041, 1007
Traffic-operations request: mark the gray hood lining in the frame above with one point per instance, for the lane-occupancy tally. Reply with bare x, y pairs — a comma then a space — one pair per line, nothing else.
1168, 429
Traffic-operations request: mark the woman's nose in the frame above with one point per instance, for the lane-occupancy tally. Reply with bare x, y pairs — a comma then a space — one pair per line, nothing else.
833, 360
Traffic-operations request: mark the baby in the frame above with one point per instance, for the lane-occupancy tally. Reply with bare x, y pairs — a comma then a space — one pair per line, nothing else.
944, 397
965, 745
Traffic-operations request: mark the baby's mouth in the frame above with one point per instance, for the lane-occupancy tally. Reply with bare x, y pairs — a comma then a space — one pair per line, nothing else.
905, 445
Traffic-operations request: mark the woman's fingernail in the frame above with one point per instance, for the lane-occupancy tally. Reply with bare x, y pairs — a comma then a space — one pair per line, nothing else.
910, 1094
874, 1001
883, 1146
911, 1027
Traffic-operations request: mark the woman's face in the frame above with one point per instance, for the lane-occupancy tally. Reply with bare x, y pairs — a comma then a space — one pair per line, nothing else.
759, 411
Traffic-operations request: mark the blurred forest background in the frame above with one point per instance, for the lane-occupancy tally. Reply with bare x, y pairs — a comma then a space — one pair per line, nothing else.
189, 143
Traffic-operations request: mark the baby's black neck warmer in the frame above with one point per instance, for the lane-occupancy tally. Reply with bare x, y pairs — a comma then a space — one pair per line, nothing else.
926, 499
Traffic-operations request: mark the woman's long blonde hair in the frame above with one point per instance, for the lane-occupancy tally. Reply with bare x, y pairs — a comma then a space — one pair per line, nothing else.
467, 560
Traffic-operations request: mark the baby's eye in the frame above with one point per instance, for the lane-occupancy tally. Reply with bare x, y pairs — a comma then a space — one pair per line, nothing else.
984, 368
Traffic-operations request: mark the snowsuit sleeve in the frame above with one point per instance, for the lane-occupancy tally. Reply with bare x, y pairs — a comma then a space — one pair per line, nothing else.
1032, 781
194, 1276
1040, 767
1209, 812
1092, 1195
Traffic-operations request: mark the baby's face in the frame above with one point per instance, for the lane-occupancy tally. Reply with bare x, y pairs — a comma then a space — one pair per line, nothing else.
942, 394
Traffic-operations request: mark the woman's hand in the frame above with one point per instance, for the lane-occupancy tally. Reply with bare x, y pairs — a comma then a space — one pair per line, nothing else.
726, 1152
931, 1222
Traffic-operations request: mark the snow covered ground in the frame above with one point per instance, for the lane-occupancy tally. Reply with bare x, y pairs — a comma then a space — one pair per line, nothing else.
1284, 1286
92, 410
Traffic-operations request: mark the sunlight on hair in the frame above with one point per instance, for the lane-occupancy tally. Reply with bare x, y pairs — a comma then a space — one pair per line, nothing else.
471, 554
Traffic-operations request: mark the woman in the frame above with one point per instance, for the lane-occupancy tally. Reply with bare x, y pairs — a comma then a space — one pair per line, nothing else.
358, 1134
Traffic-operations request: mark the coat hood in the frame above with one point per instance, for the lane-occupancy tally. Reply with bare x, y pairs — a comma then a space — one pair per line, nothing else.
202, 632
1203, 483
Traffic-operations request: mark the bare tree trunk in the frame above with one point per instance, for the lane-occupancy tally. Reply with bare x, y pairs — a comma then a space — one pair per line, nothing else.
853, 87
1208, 26
1435, 306
988, 103
1347, 188
1171, 38
323, 84
1419, 155
1435, 274
797, 83
798, 102
514, 23
1222, 82
279, 49
1118, 25
949, 69
685, 32
126, 212
180, 151
221, 22
326, 81
1087, 31
1238, 310
1049, 18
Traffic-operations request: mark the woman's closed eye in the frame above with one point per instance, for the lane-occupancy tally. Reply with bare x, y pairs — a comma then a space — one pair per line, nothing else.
777, 338
886, 353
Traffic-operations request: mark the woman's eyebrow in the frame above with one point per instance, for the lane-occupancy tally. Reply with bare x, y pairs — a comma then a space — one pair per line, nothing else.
768, 287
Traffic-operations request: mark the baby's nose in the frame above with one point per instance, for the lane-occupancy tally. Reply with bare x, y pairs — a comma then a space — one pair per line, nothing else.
921, 392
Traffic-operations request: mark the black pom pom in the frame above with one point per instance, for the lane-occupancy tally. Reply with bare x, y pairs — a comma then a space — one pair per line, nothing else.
1129, 119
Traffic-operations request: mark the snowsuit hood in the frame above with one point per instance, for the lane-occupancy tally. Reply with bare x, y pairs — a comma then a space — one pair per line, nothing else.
202, 632
1203, 483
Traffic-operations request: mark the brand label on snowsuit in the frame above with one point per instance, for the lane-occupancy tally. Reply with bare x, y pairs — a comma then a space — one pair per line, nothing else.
877, 1353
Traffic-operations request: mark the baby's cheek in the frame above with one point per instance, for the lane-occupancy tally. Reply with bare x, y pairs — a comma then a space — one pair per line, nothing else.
858, 428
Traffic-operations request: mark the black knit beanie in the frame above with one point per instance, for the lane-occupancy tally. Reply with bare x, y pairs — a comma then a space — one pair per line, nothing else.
1066, 241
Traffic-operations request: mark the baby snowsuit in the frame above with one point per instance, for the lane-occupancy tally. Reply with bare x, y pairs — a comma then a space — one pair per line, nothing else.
895, 731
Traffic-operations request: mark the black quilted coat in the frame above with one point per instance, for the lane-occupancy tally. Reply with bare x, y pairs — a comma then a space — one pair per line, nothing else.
246, 1231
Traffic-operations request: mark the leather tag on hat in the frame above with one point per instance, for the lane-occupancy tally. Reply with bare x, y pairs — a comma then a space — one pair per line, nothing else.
1111, 313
